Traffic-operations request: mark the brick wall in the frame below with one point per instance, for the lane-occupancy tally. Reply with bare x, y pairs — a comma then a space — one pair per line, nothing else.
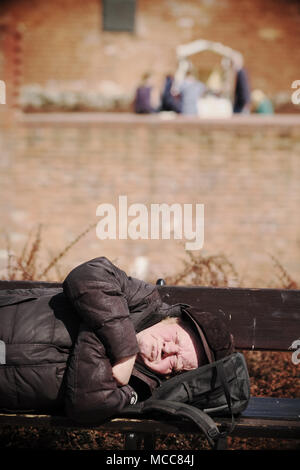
59, 168
63, 39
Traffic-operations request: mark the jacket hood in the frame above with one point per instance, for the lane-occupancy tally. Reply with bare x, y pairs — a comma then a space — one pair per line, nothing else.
212, 331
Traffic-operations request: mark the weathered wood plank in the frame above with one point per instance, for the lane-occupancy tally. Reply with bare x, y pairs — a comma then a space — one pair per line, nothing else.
245, 427
266, 319
273, 408
262, 319
27, 284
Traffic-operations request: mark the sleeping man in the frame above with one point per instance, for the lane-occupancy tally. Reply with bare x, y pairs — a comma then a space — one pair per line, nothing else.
103, 341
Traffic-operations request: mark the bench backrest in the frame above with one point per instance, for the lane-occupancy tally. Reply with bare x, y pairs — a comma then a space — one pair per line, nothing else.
260, 319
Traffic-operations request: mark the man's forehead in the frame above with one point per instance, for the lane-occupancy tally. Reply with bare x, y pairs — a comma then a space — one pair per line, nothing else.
168, 328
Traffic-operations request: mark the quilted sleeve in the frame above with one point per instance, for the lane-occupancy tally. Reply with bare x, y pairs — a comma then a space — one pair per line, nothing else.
99, 293
91, 393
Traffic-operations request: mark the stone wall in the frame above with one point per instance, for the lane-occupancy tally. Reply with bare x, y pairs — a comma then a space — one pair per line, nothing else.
57, 169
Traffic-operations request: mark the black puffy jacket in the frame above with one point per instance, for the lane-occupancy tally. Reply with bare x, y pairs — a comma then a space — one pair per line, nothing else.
57, 346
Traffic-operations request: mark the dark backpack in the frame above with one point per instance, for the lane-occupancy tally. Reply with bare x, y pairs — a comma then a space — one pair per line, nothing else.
219, 388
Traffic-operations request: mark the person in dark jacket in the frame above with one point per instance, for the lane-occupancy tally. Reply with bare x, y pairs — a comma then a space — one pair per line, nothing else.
169, 100
242, 94
94, 346
143, 96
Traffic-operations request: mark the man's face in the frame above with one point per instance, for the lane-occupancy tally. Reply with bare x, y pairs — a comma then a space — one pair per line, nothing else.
167, 348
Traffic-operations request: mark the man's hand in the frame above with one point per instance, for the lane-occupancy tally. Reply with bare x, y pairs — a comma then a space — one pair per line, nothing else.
122, 369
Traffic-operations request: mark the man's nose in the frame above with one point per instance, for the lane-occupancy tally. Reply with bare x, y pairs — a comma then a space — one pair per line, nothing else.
169, 349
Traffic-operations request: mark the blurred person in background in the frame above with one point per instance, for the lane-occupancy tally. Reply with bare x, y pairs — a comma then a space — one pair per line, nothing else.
191, 90
143, 96
170, 100
242, 94
261, 103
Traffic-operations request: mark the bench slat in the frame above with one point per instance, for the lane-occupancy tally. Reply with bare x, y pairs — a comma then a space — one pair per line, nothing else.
273, 408
261, 319
245, 427
28, 284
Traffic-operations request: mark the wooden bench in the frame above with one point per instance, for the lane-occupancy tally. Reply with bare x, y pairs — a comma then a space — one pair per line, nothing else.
260, 319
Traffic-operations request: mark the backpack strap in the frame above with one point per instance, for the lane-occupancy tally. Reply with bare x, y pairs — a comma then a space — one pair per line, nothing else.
199, 417
223, 379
